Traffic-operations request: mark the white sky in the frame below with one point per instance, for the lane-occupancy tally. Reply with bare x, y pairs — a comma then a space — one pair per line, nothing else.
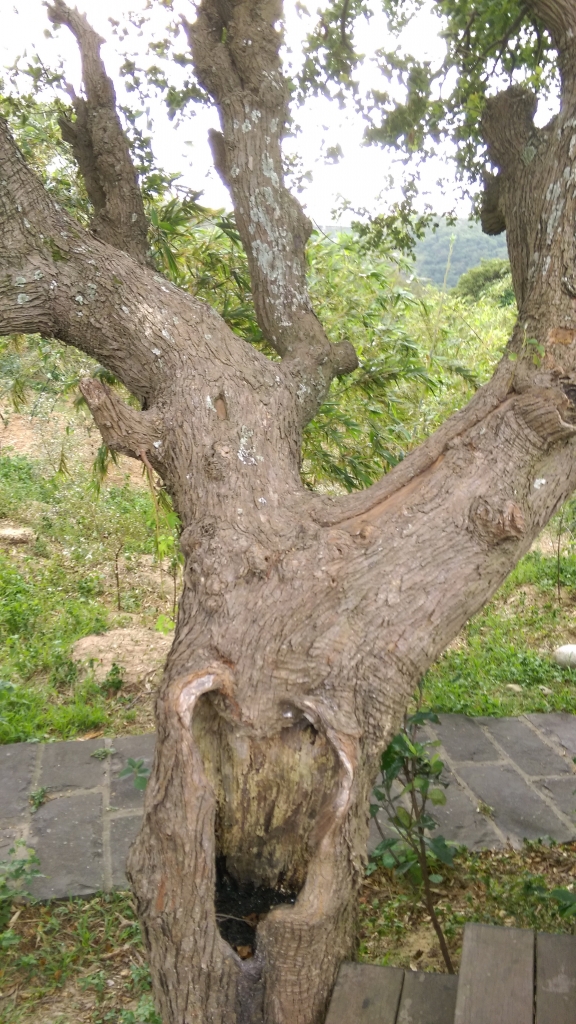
360, 176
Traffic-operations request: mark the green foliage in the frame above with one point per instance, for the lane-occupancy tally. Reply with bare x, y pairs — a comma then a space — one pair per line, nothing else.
450, 251
414, 764
507, 643
54, 593
57, 942
489, 43
422, 354
474, 283
137, 770
16, 873
37, 798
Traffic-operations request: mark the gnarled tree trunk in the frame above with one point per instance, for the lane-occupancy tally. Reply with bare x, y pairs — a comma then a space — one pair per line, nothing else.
305, 621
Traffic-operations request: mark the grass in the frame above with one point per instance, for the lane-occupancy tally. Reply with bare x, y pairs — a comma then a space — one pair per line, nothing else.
493, 887
511, 642
80, 957
81, 960
61, 589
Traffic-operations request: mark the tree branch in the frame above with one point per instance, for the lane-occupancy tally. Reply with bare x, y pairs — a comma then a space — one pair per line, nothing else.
508, 126
100, 146
559, 17
236, 56
124, 429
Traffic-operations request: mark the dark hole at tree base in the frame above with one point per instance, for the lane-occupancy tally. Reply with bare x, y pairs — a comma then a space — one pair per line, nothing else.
240, 908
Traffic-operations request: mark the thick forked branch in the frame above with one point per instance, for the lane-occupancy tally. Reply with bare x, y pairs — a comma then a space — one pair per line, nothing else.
236, 55
100, 147
125, 430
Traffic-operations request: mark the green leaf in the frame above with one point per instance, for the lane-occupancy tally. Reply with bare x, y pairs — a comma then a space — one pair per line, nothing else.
438, 797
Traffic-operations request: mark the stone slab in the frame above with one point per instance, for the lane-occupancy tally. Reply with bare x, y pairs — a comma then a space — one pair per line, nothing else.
518, 810
555, 979
17, 763
123, 832
563, 793
527, 750
365, 994
496, 980
124, 794
69, 765
559, 726
428, 998
460, 822
67, 836
463, 739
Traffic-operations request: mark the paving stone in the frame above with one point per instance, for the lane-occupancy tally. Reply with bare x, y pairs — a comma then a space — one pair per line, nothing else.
67, 837
9, 836
123, 793
518, 810
563, 793
463, 739
123, 832
69, 765
17, 762
459, 821
530, 753
560, 726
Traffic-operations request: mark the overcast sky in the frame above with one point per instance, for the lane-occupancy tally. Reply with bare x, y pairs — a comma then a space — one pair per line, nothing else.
359, 177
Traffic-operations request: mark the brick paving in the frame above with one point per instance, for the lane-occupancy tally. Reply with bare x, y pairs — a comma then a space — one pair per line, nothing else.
518, 771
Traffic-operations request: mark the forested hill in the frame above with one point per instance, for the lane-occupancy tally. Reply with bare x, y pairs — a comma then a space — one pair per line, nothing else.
469, 247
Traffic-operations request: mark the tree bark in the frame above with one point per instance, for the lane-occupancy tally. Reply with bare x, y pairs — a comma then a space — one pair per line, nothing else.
305, 621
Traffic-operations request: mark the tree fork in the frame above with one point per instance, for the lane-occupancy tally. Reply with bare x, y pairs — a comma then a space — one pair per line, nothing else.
305, 621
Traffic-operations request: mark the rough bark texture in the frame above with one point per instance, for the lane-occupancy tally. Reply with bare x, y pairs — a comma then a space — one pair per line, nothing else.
305, 621
100, 147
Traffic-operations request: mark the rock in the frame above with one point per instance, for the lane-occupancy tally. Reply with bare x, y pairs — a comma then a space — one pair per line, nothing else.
566, 655
139, 653
16, 535
513, 687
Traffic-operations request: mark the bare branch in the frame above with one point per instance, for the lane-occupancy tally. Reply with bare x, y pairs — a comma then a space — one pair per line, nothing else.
124, 429
100, 146
491, 214
236, 56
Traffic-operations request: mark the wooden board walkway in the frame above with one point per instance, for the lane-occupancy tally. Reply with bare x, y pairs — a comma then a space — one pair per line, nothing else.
507, 976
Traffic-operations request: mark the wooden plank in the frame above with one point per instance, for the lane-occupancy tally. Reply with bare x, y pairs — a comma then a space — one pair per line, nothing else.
555, 979
428, 998
365, 994
496, 981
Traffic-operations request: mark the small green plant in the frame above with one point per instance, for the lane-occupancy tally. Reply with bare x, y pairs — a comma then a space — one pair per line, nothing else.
16, 873
114, 680
164, 624
102, 753
37, 798
138, 770
411, 776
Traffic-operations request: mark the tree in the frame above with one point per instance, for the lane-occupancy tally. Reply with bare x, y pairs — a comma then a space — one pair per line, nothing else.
305, 619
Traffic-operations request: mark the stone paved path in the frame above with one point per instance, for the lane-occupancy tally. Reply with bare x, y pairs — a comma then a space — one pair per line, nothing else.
522, 768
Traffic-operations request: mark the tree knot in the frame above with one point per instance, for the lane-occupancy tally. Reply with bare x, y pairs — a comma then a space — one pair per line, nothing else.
495, 522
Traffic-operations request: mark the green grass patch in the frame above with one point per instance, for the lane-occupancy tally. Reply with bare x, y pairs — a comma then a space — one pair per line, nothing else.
507, 887
57, 591
83, 957
511, 642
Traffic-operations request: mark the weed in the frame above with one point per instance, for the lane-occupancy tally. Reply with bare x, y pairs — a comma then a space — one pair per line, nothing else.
412, 851
114, 680
102, 753
506, 887
37, 798
16, 873
137, 770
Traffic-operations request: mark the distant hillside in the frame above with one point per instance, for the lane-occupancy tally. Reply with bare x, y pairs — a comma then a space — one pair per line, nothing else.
470, 247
